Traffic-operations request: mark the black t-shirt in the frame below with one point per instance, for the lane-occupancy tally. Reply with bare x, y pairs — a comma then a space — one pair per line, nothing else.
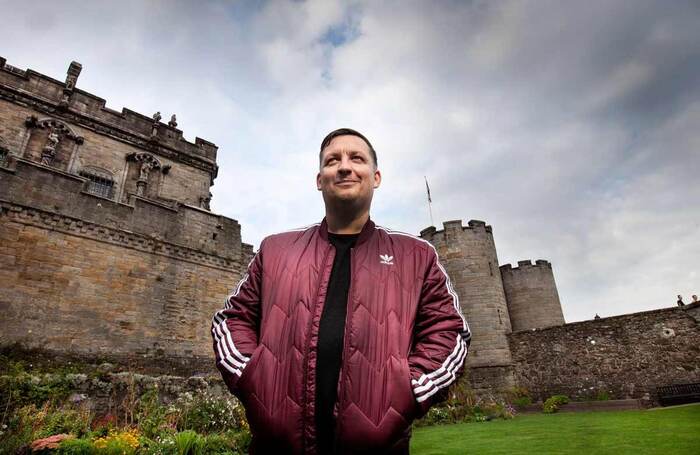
330, 339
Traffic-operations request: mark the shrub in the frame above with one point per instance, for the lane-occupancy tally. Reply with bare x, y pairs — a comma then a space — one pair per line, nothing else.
151, 415
239, 439
118, 442
522, 402
24, 389
485, 408
436, 415
65, 420
497, 410
188, 443
217, 444
552, 403
77, 447
207, 414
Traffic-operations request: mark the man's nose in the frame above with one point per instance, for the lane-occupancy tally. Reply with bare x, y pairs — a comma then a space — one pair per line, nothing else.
344, 166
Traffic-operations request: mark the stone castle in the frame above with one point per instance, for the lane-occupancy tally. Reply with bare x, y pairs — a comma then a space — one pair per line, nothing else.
109, 249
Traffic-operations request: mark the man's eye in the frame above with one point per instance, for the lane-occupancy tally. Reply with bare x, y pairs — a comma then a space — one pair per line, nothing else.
358, 158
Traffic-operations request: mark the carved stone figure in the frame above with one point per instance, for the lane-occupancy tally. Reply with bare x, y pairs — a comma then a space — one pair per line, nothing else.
173, 121
49, 151
146, 163
146, 167
204, 202
156, 120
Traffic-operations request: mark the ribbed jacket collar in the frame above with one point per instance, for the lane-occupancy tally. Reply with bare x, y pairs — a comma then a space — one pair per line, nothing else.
365, 234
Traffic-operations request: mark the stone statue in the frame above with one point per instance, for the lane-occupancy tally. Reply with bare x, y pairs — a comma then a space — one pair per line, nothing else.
204, 202
49, 151
156, 120
173, 121
145, 169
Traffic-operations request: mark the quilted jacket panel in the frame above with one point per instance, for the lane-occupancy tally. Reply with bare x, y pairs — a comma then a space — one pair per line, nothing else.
405, 339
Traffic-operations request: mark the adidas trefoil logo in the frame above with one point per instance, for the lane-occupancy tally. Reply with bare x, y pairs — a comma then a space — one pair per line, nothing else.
386, 259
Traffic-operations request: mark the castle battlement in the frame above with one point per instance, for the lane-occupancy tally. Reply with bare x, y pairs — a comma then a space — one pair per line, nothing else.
526, 265
64, 100
453, 227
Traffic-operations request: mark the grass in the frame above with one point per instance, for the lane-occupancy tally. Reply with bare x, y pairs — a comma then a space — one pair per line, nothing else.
664, 431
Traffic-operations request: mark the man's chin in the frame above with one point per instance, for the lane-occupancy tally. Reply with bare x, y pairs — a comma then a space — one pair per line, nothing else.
346, 199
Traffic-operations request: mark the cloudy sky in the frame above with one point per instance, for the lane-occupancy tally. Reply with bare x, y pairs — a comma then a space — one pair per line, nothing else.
573, 128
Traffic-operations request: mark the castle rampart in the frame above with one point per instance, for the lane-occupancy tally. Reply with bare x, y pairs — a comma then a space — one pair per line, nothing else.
531, 293
623, 356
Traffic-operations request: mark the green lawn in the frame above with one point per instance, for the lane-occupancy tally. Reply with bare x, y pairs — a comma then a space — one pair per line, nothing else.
663, 431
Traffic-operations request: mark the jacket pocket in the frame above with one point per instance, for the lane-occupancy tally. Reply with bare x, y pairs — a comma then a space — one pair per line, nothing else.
244, 380
411, 405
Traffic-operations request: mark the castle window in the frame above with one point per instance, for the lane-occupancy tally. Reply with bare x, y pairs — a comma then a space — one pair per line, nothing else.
99, 183
3, 157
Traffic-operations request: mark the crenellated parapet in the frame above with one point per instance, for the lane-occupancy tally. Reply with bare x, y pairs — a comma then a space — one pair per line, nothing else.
531, 293
453, 227
526, 265
63, 100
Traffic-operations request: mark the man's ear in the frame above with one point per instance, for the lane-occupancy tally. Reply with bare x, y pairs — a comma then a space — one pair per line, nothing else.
318, 181
377, 179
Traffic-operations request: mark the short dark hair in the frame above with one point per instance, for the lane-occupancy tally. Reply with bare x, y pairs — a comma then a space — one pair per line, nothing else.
346, 132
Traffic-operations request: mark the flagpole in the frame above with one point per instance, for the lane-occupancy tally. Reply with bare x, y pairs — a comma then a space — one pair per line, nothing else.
430, 207
430, 201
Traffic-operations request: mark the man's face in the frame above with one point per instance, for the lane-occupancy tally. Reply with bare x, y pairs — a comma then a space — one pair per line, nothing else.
347, 173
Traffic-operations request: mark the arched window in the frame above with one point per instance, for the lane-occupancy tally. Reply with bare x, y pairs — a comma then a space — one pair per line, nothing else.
100, 182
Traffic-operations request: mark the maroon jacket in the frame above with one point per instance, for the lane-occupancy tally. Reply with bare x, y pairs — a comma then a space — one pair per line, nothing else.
405, 339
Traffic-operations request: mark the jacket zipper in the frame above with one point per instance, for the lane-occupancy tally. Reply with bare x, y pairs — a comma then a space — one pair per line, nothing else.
346, 331
308, 350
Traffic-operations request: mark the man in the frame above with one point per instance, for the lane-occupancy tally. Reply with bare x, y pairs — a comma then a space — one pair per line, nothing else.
680, 301
343, 332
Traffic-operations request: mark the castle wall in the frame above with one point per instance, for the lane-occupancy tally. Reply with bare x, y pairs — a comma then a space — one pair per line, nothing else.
531, 294
72, 292
469, 256
87, 275
136, 267
625, 356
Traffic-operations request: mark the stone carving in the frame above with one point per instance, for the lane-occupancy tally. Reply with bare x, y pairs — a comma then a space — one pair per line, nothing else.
204, 202
71, 79
49, 151
147, 163
56, 135
156, 121
173, 121
72, 76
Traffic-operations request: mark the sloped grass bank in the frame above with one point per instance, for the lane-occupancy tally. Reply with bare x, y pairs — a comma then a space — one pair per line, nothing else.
657, 431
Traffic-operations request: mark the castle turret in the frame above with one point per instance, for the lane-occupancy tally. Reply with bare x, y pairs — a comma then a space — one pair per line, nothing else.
469, 256
531, 293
